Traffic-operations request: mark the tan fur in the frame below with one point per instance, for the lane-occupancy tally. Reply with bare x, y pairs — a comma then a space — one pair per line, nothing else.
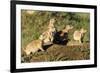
33, 47
66, 29
78, 34
51, 23
48, 35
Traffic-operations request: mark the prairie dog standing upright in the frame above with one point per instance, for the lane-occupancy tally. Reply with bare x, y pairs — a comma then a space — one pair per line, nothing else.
48, 35
78, 34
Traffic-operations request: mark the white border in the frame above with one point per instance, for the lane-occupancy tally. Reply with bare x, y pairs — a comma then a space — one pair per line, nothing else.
51, 64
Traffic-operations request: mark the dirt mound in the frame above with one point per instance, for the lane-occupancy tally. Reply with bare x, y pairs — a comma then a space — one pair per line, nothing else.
60, 53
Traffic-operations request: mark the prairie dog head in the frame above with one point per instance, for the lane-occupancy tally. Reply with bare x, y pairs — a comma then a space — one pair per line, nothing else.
51, 22
83, 30
67, 28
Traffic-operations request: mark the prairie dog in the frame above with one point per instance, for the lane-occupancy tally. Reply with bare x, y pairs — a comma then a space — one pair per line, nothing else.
48, 35
34, 46
51, 23
61, 37
78, 34
66, 30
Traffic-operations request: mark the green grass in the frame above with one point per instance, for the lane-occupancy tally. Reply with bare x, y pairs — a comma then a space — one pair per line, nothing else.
35, 24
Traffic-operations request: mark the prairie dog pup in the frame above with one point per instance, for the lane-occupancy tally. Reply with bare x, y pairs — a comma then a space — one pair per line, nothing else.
78, 35
33, 47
